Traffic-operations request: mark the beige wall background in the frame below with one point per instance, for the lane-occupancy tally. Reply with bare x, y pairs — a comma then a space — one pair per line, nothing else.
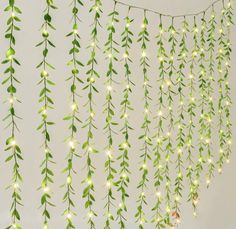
218, 204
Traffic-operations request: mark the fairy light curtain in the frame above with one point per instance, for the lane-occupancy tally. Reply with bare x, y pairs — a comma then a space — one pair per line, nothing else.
192, 101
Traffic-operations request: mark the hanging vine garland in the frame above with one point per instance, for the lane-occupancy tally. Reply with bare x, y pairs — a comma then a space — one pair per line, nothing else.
111, 52
15, 155
191, 113
158, 138
221, 102
147, 142
125, 146
181, 122
210, 80
168, 144
88, 145
73, 115
47, 104
228, 103
202, 137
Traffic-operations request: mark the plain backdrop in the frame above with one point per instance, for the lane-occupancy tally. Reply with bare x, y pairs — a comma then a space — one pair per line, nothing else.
217, 204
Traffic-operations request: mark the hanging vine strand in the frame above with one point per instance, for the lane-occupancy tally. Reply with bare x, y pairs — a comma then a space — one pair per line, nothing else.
88, 145
73, 118
124, 147
158, 138
15, 154
111, 52
147, 142
181, 122
202, 139
47, 104
228, 102
210, 80
221, 59
191, 114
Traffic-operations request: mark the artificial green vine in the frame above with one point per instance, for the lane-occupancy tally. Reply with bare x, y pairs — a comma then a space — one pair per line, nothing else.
124, 147
181, 122
228, 102
158, 137
221, 58
202, 139
88, 145
169, 148
193, 196
11, 144
111, 52
145, 156
73, 116
47, 104
211, 110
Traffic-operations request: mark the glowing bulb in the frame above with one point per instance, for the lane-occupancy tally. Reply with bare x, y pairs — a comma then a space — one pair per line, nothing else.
192, 99
108, 184
92, 80
16, 186
69, 180
71, 144
219, 170
160, 113
177, 198
124, 175
90, 215
75, 31
144, 54
184, 54
92, 114
14, 225
13, 14
46, 189
109, 88
161, 31
109, 154
179, 175
146, 111
209, 160
158, 140
68, 216
110, 55
168, 209
195, 214
74, 107
196, 30
96, 8
195, 182
89, 182
168, 83
120, 205
208, 141
125, 145
173, 31
125, 55
127, 25
127, 86
144, 166
227, 161
142, 194
195, 202
158, 194
229, 142
13, 142
178, 221
125, 115
220, 50
168, 134
208, 181
11, 100
229, 4
191, 76
195, 53
221, 31
143, 25
200, 159
183, 30
161, 59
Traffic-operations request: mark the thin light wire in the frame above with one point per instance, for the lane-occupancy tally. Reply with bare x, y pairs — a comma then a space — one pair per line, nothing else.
169, 15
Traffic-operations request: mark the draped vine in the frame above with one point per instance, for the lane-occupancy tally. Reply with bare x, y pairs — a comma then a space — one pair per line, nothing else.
73, 116
190, 99
111, 52
47, 104
10, 81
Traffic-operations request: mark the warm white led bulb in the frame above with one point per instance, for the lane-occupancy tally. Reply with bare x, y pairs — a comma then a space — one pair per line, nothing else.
109, 88
46, 189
